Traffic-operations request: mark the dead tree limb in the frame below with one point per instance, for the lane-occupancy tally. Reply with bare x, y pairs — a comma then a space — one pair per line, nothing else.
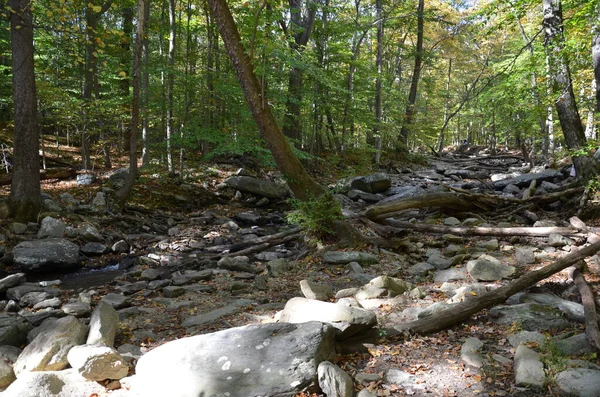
592, 332
485, 231
50, 173
274, 239
462, 311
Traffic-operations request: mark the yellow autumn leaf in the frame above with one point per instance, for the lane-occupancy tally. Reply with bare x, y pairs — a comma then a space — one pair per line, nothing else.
122, 73
473, 293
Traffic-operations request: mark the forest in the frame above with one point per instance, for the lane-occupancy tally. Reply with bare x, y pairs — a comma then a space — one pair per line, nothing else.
311, 198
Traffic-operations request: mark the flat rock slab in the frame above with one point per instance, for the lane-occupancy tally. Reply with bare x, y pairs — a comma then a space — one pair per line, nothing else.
257, 186
273, 360
216, 314
46, 254
581, 382
525, 179
530, 316
341, 257
67, 383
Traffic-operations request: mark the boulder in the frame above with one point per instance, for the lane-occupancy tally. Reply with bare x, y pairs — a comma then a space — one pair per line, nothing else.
67, 383
48, 350
8, 355
348, 320
96, 362
104, 323
530, 317
343, 257
273, 360
383, 286
311, 290
487, 268
13, 330
334, 381
525, 179
11, 281
51, 227
374, 183
256, 186
528, 368
581, 382
94, 248
47, 254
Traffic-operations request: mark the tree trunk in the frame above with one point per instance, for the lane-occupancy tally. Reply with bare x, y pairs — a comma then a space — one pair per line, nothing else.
462, 311
596, 56
170, 85
123, 194
301, 183
566, 106
301, 21
25, 195
378, 65
125, 62
409, 114
145, 90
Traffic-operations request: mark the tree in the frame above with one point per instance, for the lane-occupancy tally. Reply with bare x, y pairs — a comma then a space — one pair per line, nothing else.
414, 84
170, 85
25, 195
301, 183
560, 75
122, 194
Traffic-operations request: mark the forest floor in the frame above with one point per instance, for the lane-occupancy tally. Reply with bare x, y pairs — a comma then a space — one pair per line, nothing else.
434, 360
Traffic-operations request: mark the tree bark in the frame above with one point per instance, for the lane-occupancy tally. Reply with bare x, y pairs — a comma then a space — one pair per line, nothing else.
378, 94
301, 183
145, 90
592, 332
302, 22
464, 310
565, 104
123, 194
25, 194
170, 86
409, 114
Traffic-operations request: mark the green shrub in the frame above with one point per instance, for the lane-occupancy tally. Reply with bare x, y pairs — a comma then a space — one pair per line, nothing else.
316, 216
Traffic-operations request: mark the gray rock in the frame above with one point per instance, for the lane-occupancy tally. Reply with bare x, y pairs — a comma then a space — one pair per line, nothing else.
256, 360
257, 186
342, 258
237, 264
530, 316
433, 309
67, 383
399, 378
77, 309
89, 233
485, 268
46, 254
439, 261
94, 248
348, 320
525, 255
528, 368
467, 292
451, 221
97, 362
159, 284
334, 381
21, 290
525, 338
120, 247
132, 288
383, 286
191, 276
525, 179
85, 179
48, 350
8, 355
117, 301
420, 268
11, 281
51, 227
310, 290
556, 240
580, 382
453, 274
214, 315
490, 245
68, 200
53, 303
173, 291
40, 316
278, 267
468, 352
50, 205
574, 345
265, 255
18, 228
573, 310
13, 330
32, 298
374, 183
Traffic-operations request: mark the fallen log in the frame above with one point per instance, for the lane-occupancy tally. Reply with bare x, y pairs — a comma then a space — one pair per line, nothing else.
464, 310
486, 231
255, 241
50, 173
453, 201
592, 332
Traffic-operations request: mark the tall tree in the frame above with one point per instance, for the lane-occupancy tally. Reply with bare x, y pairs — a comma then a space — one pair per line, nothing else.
302, 20
378, 66
25, 195
170, 85
596, 54
122, 194
560, 75
409, 114
301, 183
